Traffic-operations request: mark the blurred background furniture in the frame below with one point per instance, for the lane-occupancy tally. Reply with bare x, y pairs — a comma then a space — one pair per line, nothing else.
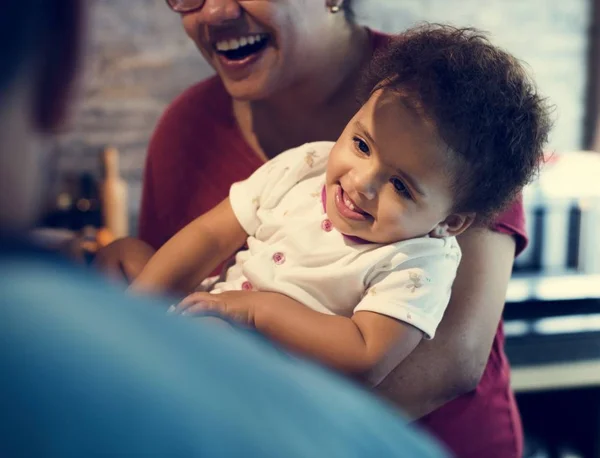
87, 211
552, 316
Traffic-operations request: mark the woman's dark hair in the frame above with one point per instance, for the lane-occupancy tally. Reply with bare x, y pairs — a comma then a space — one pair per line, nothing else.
485, 109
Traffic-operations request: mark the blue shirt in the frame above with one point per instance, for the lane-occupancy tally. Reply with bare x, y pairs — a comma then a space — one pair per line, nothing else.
86, 371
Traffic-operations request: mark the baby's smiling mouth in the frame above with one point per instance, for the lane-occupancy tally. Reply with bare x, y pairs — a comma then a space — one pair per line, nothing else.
243, 46
351, 205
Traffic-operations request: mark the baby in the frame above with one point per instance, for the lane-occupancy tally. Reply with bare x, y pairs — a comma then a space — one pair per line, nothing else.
351, 246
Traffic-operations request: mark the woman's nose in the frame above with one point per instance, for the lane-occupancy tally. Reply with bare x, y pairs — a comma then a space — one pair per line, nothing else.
218, 12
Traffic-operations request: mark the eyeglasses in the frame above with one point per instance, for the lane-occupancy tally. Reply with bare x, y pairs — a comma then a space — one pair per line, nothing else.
185, 6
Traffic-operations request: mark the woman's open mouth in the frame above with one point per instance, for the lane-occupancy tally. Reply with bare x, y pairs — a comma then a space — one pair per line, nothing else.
237, 49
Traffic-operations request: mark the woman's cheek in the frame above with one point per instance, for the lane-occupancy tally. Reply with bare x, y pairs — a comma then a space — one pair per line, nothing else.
194, 31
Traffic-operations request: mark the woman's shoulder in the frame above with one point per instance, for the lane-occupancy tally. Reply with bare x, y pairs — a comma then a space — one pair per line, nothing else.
512, 222
379, 40
196, 120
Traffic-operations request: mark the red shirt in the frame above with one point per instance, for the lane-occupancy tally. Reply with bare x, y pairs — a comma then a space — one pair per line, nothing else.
197, 152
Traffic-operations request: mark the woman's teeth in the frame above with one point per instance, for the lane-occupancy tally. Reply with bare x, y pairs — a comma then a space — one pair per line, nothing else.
236, 43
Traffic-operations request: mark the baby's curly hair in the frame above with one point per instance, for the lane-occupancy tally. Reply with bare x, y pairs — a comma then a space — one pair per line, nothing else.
484, 106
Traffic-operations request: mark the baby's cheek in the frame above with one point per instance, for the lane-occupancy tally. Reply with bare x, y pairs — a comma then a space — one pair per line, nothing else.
401, 226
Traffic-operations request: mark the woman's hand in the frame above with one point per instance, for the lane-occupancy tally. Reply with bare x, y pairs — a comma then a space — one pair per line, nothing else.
239, 306
123, 259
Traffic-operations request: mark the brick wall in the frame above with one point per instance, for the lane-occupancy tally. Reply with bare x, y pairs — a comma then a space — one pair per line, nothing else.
139, 58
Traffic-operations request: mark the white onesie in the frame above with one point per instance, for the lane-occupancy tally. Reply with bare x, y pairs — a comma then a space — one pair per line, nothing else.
294, 250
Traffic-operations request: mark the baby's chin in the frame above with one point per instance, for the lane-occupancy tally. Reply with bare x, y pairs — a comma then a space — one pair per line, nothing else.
350, 232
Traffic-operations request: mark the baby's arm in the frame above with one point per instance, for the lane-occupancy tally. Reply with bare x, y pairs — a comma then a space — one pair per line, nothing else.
193, 253
400, 307
355, 346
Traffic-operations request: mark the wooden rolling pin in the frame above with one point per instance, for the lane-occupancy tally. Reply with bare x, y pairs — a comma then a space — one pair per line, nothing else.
113, 195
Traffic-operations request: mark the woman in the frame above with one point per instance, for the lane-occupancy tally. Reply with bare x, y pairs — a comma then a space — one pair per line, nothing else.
286, 71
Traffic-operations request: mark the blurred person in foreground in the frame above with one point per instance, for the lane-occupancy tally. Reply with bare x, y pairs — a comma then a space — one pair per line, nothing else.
85, 370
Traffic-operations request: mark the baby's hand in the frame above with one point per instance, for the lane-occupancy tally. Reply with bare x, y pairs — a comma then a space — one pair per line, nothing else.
236, 305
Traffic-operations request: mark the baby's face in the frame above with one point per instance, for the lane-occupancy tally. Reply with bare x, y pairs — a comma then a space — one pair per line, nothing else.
388, 175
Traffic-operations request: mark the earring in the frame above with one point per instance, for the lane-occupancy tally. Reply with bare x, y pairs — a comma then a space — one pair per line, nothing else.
334, 6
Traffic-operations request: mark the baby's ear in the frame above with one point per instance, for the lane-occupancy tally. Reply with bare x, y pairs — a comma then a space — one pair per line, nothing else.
453, 225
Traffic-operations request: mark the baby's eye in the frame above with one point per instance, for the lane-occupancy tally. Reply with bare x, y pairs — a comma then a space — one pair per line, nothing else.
361, 145
401, 188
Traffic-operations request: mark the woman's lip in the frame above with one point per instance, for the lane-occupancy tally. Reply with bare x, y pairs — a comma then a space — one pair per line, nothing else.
233, 68
344, 210
239, 69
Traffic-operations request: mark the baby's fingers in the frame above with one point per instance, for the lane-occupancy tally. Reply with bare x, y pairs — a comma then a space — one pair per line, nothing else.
200, 308
192, 299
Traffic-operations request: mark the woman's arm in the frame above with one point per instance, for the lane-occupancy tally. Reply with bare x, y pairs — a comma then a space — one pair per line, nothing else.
453, 362
193, 253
